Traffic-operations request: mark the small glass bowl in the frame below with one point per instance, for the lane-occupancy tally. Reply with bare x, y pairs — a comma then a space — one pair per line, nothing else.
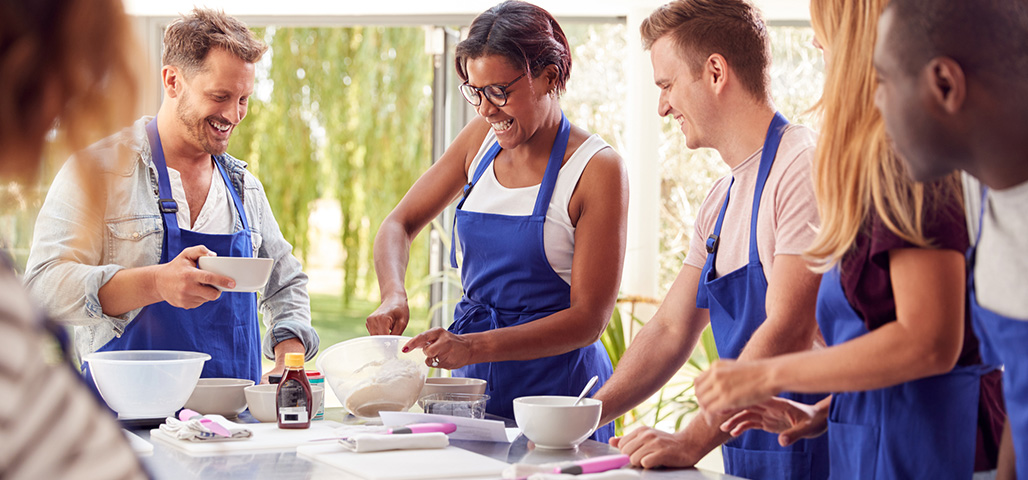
469, 405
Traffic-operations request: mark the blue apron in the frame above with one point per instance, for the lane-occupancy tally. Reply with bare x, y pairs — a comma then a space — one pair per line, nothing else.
736, 301
226, 328
1003, 341
924, 428
508, 281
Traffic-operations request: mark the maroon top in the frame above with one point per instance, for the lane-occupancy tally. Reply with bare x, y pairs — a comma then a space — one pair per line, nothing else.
864, 274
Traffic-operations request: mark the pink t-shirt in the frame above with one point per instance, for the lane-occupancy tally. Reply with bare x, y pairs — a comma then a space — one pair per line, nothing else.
788, 210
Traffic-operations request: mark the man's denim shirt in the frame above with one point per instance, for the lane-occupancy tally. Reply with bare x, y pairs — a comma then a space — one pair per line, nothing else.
76, 249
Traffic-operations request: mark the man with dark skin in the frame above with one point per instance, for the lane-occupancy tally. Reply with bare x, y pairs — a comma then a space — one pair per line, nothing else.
953, 95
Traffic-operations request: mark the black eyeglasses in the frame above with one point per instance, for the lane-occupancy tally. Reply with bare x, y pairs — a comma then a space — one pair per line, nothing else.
496, 94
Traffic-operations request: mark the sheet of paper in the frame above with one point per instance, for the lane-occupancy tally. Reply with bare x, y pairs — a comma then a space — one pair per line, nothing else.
467, 428
438, 464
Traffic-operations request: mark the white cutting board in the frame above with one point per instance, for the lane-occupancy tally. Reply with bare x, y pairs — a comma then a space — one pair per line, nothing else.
266, 437
141, 447
435, 463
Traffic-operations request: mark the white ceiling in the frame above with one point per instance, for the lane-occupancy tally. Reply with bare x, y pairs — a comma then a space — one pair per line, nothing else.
403, 10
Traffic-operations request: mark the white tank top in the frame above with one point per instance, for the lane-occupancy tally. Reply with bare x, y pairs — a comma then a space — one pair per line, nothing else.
489, 196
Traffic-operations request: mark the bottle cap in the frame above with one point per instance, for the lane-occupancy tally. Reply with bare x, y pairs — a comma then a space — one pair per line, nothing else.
294, 360
314, 374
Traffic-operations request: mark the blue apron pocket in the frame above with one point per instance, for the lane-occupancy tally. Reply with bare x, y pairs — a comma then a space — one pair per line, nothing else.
853, 450
764, 464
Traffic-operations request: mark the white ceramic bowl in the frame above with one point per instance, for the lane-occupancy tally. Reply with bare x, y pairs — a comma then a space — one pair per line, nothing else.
453, 385
145, 383
250, 274
371, 374
261, 400
219, 396
550, 421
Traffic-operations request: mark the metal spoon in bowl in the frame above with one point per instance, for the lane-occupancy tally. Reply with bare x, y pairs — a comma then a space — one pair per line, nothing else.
588, 386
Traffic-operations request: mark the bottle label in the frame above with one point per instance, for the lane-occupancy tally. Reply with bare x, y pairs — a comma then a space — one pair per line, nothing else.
288, 415
293, 402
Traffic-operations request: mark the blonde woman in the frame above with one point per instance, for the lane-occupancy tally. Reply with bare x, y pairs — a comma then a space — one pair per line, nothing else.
70, 60
902, 360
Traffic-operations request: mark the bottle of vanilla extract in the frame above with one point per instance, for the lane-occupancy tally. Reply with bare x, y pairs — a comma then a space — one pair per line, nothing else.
293, 397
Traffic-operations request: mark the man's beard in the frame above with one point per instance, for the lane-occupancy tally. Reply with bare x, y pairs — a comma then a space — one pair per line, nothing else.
197, 129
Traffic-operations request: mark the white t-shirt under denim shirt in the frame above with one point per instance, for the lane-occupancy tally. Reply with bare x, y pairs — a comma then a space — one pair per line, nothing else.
489, 196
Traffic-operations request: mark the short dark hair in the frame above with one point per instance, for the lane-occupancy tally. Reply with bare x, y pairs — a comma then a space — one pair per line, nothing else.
526, 35
732, 28
983, 36
188, 39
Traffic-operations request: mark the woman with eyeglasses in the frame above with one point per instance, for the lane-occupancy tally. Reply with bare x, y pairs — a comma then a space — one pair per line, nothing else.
539, 234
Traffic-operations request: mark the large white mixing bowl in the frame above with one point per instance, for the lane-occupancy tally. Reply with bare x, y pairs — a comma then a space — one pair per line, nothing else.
146, 383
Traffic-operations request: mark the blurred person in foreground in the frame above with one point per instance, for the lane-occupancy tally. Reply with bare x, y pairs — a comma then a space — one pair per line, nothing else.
902, 359
744, 274
50, 425
954, 97
116, 257
540, 227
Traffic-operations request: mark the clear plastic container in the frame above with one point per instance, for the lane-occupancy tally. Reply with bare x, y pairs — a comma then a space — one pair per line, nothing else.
316, 378
373, 374
469, 405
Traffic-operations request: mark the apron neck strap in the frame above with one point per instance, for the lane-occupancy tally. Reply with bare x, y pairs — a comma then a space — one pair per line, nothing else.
487, 159
237, 200
715, 238
971, 251
542, 200
767, 159
981, 214
560, 146
166, 203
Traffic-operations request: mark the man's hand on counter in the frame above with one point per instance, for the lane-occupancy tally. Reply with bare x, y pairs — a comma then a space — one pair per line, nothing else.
291, 345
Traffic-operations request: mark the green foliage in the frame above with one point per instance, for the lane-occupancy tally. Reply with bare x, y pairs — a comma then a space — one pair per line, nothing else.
345, 118
615, 341
675, 400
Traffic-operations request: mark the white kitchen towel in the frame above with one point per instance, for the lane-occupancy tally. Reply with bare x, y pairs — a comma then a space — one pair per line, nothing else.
374, 442
619, 474
194, 431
